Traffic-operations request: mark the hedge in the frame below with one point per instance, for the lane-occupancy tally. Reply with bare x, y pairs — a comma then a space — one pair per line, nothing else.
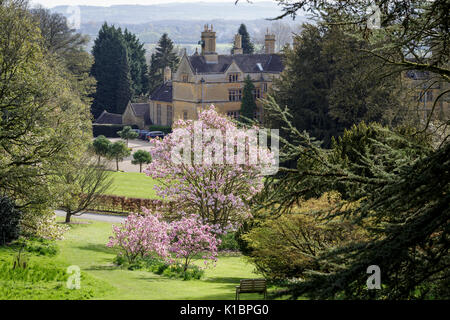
109, 130
164, 129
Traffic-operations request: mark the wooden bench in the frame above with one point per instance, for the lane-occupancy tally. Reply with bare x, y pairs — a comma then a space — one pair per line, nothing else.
252, 286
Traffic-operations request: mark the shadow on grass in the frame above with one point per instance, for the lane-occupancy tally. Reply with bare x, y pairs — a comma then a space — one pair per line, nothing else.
98, 248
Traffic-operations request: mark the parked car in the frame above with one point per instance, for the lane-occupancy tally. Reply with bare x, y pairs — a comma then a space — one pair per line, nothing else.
155, 134
143, 134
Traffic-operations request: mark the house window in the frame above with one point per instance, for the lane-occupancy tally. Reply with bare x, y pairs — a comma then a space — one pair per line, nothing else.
235, 95
185, 77
158, 114
169, 115
257, 93
233, 77
185, 115
233, 114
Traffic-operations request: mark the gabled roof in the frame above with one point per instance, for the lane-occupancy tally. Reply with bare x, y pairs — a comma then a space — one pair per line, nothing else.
109, 118
142, 110
163, 93
248, 63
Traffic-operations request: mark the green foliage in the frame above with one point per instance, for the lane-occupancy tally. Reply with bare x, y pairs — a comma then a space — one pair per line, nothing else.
247, 45
127, 134
44, 117
68, 46
112, 72
37, 246
9, 221
228, 242
396, 190
330, 83
109, 130
118, 151
164, 129
138, 64
286, 246
164, 56
160, 267
248, 104
141, 157
83, 183
101, 146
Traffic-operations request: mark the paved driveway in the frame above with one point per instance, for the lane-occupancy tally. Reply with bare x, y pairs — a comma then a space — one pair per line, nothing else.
94, 217
126, 164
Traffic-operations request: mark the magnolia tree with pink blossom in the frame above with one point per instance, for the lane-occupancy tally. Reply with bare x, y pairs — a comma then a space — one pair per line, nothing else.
185, 239
190, 238
140, 236
210, 167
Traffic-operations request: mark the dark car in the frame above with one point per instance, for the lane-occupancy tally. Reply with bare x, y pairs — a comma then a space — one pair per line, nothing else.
143, 134
155, 134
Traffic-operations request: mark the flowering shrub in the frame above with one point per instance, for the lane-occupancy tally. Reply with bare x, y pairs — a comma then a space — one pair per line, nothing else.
42, 224
140, 236
149, 237
218, 192
190, 237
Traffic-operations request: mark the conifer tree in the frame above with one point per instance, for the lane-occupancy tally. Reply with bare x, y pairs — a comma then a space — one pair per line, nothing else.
112, 72
248, 104
247, 45
164, 56
137, 63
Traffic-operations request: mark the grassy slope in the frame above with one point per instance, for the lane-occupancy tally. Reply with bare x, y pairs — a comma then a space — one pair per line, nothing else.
132, 185
85, 246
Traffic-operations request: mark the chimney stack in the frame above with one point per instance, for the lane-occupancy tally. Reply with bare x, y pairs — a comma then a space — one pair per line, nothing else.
209, 45
238, 45
270, 43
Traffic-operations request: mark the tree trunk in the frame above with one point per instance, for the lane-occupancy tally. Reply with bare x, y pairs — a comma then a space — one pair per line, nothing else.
68, 215
117, 164
140, 167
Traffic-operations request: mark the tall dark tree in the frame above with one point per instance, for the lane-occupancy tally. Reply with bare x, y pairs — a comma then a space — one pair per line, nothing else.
69, 47
247, 45
112, 72
137, 63
165, 55
248, 104
330, 83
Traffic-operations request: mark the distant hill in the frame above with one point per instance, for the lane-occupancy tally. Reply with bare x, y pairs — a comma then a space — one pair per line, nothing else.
182, 21
137, 14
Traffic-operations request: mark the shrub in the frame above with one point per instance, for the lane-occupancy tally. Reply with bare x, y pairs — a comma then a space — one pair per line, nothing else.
38, 246
42, 224
164, 129
9, 221
140, 236
190, 237
228, 242
287, 246
109, 130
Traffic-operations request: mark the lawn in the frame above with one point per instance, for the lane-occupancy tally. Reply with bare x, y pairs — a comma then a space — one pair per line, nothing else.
132, 185
84, 246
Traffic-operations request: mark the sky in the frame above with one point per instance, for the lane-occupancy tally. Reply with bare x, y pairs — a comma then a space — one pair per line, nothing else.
53, 3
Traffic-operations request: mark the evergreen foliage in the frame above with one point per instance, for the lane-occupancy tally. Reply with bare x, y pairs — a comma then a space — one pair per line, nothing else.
119, 68
9, 221
248, 104
396, 188
164, 56
247, 45
141, 157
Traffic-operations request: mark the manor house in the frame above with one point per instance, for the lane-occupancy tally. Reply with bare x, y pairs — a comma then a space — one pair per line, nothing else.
207, 78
